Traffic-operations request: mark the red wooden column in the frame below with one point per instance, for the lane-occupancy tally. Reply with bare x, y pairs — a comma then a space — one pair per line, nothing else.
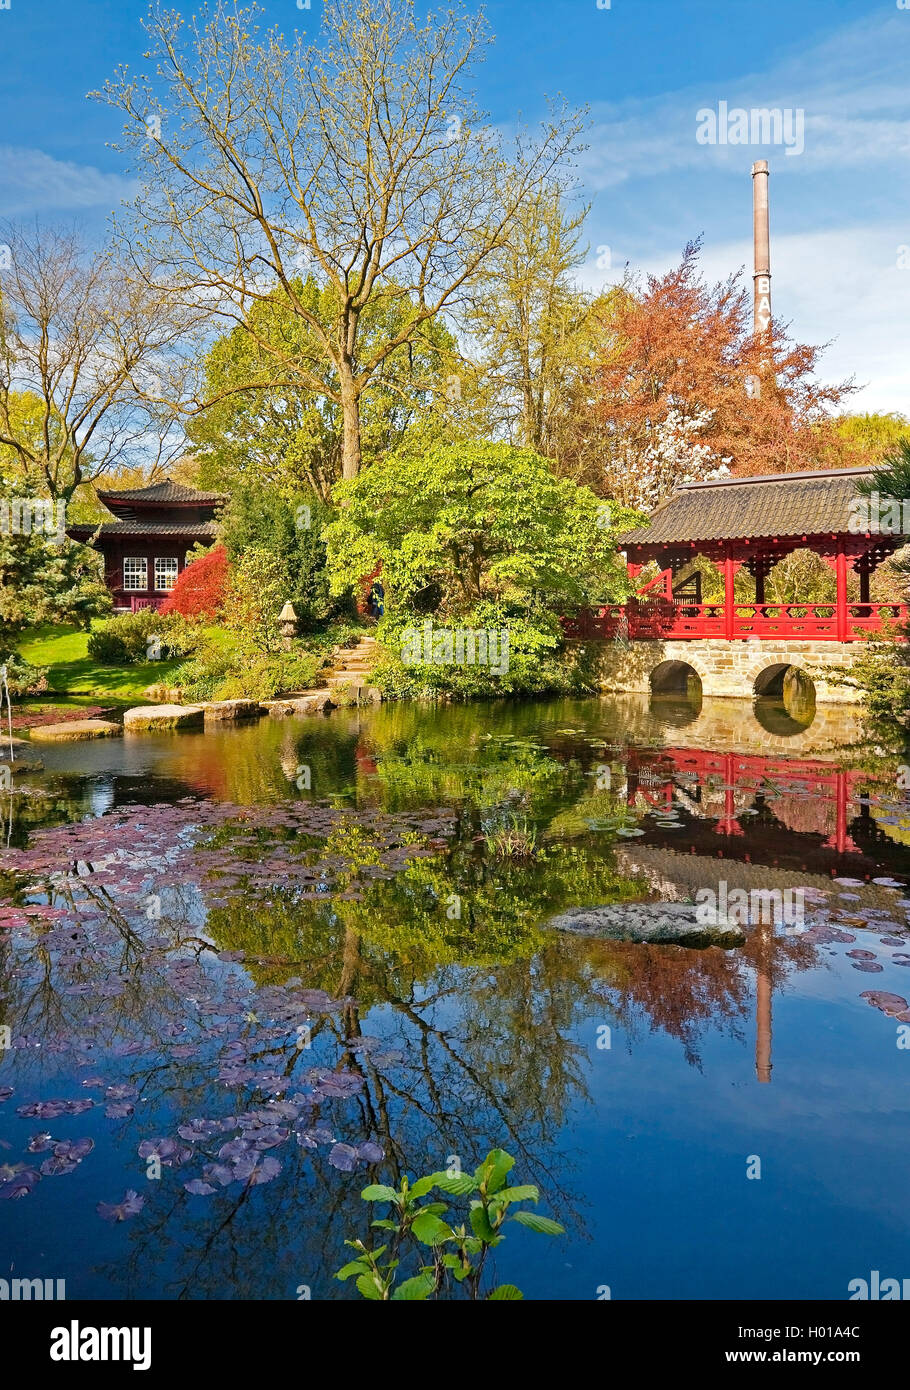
730, 568
840, 569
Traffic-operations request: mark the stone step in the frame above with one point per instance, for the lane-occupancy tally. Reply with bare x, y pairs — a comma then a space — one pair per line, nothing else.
145, 717
310, 702
74, 730
344, 678
221, 711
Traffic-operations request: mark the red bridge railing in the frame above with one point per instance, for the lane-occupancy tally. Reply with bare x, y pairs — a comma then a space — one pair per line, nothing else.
637, 621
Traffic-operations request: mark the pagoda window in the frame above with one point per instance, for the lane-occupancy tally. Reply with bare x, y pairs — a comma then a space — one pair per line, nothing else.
135, 573
165, 573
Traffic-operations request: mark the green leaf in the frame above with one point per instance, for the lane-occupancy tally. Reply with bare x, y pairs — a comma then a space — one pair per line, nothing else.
492, 1172
422, 1186
505, 1293
416, 1290
369, 1288
480, 1224
542, 1224
456, 1187
429, 1230
385, 1225
378, 1192
527, 1193
355, 1267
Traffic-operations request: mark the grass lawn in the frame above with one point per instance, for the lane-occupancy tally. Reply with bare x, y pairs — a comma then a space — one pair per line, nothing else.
71, 671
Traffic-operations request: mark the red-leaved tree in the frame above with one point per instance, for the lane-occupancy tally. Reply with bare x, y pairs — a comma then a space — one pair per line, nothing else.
677, 387
201, 588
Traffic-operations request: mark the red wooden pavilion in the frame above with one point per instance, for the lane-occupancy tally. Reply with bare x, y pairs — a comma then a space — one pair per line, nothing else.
752, 523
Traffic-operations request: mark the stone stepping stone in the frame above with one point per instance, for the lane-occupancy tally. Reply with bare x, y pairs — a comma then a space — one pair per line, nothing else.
222, 711
313, 703
145, 717
75, 730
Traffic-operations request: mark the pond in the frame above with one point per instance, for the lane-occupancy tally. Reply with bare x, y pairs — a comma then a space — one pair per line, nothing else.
246, 972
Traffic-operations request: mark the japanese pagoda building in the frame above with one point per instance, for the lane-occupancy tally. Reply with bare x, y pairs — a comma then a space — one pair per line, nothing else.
145, 547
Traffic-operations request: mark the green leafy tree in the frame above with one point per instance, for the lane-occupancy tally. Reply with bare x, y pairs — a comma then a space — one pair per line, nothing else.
256, 594
43, 578
868, 438
281, 429
288, 529
532, 322
477, 522
485, 537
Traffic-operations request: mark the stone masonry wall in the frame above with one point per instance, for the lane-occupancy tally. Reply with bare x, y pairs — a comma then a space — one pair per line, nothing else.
732, 668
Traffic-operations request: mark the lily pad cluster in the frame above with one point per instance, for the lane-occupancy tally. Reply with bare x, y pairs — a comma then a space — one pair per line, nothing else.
145, 1003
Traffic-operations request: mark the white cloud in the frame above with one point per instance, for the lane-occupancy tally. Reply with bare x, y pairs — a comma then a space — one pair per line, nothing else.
843, 287
32, 181
852, 88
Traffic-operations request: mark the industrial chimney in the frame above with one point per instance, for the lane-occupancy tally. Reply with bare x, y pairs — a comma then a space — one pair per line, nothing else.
761, 279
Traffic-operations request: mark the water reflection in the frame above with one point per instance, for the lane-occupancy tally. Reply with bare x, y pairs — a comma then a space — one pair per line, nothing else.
265, 969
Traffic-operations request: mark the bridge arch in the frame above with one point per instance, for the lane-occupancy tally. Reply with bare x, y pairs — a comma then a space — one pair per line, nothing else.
677, 677
786, 682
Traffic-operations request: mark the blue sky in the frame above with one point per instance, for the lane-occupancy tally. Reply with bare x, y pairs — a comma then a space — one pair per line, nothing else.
840, 208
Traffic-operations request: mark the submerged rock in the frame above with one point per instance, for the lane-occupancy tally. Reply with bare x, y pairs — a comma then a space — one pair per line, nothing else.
660, 923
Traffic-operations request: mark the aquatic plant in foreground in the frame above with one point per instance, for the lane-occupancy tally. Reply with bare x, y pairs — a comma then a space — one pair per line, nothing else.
459, 1254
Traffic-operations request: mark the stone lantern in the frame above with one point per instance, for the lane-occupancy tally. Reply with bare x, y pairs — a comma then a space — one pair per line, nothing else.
288, 624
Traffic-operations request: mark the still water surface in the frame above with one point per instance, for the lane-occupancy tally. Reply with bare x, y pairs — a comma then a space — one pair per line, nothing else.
329, 940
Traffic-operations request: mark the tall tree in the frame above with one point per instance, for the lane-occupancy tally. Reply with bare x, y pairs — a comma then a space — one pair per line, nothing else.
868, 438
288, 436
529, 317
362, 157
85, 353
44, 578
679, 387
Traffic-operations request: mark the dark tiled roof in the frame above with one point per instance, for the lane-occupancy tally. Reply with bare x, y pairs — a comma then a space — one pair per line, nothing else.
774, 504
85, 529
165, 491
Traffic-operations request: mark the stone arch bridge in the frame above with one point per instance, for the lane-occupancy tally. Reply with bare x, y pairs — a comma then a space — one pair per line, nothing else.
743, 669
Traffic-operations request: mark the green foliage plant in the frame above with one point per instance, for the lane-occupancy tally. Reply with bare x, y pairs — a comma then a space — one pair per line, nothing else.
451, 1253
